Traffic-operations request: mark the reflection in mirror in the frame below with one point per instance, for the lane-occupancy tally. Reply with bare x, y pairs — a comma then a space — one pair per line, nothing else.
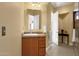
34, 20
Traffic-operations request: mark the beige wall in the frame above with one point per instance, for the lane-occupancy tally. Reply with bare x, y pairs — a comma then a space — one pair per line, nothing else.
11, 16
66, 22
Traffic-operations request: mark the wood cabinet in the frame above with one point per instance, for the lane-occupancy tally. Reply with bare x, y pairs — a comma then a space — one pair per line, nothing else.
34, 46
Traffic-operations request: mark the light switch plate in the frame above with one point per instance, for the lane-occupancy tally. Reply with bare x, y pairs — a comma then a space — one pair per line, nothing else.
3, 30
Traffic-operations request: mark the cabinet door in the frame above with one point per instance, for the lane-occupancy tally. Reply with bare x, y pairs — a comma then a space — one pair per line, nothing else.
26, 46
34, 47
30, 46
42, 51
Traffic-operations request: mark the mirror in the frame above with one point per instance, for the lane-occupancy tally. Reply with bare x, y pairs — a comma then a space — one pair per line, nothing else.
33, 19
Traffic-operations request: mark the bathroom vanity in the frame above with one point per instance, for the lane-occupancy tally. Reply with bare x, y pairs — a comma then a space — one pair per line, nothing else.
34, 44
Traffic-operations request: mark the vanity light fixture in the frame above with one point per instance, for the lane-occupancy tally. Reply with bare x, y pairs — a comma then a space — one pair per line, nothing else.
36, 4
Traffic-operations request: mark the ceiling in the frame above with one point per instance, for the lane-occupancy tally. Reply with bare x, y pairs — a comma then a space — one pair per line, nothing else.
60, 4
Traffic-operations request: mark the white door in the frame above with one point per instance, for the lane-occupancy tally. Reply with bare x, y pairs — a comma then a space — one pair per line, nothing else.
54, 27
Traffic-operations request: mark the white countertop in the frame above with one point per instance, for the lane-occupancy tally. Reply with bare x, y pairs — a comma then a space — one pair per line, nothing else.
33, 34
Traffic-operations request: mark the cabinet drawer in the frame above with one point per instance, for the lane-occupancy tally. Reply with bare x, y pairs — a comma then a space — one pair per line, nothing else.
42, 43
42, 39
42, 51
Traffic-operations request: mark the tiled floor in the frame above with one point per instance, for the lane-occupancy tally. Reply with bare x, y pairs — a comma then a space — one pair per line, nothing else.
62, 50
